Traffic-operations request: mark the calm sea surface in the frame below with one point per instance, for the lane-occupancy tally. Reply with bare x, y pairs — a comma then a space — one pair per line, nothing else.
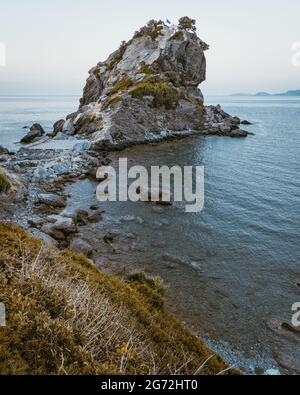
238, 261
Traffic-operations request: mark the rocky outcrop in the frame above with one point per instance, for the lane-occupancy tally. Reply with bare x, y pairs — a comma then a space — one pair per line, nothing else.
148, 90
3, 151
36, 131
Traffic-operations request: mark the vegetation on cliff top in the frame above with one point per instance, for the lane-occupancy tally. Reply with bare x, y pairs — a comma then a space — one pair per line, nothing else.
153, 30
66, 317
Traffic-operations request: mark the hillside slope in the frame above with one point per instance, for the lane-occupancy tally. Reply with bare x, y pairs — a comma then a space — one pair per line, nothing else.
66, 317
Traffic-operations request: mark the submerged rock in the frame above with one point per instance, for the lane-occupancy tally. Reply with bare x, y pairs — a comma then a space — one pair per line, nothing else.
95, 217
147, 91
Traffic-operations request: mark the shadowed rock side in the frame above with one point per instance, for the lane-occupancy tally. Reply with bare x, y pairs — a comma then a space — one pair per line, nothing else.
148, 90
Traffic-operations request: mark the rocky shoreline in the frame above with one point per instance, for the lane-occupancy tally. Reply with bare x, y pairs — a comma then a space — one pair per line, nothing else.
39, 176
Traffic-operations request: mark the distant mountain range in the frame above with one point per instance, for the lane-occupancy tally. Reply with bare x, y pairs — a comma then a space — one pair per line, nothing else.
264, 94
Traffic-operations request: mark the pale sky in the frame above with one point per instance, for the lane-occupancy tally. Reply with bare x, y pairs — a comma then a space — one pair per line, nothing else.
51, 45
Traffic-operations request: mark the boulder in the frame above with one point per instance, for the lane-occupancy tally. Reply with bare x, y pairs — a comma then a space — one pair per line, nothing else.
51, 200
68, 127
238, 133
45, 238
80, 246
36, 131
79, 216
50, 230
64, 224
95, 217
245, 122
3, 151
58, 127
38, 127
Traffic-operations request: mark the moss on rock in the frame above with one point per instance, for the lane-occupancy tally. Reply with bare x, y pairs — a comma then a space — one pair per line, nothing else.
123, 85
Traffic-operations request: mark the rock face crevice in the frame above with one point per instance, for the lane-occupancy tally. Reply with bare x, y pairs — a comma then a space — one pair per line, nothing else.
148, 90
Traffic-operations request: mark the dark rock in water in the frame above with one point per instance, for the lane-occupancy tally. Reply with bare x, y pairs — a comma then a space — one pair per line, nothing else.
109, 238
94, 207
238, 133
37, 126
36, 131
81, 217
288, 327
57, 128
245, 122
95, 217
80, 246
174, 259
3, 150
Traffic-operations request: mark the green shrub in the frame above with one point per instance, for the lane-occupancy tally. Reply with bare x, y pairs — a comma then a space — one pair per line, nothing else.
153, 30
186, 23
178, 36
145, 69
123, 85
163, 94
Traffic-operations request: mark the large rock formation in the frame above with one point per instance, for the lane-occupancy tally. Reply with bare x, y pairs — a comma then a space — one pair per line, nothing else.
148, 90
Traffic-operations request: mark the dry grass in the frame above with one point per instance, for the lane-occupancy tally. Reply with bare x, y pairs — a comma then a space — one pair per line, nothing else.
66, 317
4, 182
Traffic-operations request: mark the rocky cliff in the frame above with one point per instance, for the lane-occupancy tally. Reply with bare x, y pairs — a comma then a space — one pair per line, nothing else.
147, 90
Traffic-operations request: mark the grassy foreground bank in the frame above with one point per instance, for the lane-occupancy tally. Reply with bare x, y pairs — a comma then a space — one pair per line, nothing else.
66, 317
